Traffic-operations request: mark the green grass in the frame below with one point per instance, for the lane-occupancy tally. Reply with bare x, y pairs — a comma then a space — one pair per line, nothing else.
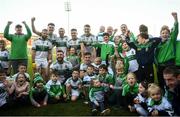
65, 108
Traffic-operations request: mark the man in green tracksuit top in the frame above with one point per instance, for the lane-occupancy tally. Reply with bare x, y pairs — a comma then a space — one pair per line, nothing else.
18, 44
165, 52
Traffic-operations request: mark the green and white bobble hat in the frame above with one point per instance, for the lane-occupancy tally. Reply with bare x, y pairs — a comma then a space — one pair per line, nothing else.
37, 77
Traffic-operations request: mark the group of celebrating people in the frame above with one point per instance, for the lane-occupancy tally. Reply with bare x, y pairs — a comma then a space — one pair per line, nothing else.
105, 70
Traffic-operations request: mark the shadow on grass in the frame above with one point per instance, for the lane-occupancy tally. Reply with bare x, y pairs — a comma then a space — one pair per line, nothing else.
66, 109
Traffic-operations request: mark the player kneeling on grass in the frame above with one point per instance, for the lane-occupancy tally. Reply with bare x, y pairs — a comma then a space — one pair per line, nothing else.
96, 96
55, 89
73, 85
38, 93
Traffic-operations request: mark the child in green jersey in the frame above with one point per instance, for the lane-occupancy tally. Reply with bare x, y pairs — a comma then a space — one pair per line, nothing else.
38, 93
130, 90
55, 89
165, 52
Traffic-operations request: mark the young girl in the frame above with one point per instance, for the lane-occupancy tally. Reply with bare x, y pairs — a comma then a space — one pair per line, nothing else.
140, 102
19, 91
38, 93
54, 88
73, 58
130, 90
4, 55
157, 104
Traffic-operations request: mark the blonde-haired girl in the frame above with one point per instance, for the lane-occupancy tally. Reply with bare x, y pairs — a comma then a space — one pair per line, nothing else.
157, 104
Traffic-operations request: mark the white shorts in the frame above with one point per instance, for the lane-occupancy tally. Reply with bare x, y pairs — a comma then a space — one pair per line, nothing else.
75, 92
41, 63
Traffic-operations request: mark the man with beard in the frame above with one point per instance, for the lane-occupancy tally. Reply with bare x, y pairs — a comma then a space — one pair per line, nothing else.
64, 68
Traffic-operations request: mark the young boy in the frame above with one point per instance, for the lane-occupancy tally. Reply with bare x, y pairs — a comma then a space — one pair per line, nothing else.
73, 85
145, 48
3, 90
107, 47
4, 57
87, 81
38, 93
104, 77
54, 88
21, 69
165, 52
96, 96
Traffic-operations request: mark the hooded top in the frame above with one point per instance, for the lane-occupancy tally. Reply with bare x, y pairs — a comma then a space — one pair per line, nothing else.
37, 77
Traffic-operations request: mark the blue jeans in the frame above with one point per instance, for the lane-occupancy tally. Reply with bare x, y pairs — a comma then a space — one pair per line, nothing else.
101, 106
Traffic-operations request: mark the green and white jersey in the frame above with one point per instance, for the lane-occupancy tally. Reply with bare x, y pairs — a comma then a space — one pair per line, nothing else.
88, 40
107, 78
88, 79
99, 37
63, 69
42, 48
75, 44
96, 94
61, 43
54, 88
74, 83
3, 94
161, 105
131, 56
74, 59
52, 38
4, 56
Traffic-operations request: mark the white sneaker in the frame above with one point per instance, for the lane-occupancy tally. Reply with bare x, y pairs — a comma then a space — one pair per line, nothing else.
106, 112
94, 112
86, 102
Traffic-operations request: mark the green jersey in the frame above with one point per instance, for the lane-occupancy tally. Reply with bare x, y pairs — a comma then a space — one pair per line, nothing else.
130, 90
166, 50
106, 48
54, 88
178, 53
18, 43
